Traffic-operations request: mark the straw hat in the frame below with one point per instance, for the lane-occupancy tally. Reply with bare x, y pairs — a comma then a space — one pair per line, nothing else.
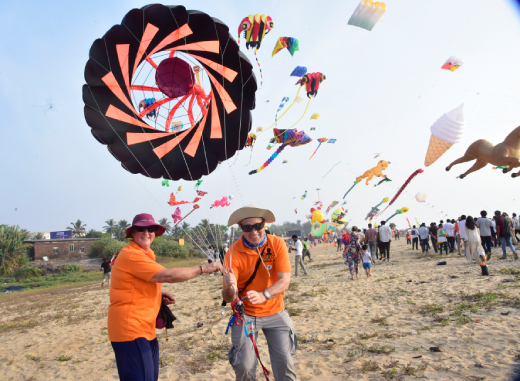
251, 211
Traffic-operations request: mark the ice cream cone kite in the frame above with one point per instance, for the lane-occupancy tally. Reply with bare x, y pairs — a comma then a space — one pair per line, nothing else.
446, 131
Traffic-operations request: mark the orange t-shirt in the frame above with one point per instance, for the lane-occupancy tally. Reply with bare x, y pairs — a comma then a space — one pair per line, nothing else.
134, 300
275, 257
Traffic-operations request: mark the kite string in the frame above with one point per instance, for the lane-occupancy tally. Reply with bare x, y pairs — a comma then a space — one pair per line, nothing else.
287, 109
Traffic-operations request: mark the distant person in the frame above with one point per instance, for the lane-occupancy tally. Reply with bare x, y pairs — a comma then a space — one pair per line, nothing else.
442, 241
223, 252
385, 235
450, 235
306, 251
504, 234
352, 254
367, 261
415, 238
408, 238
458, 240
516, 226
210, 254
485, 225
372, 241
397, 234
462, 232
433, 235
298, 255
105, 266
423, 235
473, 238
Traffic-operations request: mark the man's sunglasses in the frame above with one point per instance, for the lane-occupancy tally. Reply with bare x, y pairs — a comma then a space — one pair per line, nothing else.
151, 229
249, 228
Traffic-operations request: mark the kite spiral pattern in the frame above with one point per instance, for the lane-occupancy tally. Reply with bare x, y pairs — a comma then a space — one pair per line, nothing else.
111, 73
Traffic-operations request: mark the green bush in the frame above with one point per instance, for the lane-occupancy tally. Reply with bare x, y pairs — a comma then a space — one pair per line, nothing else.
106, 247
27, 272
74, 268
164, 247
13, 252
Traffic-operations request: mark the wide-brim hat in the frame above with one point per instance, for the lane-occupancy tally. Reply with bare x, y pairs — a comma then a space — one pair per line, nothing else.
145, 219
251, 211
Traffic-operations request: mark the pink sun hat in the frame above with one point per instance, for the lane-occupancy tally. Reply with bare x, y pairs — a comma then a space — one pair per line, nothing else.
145, 219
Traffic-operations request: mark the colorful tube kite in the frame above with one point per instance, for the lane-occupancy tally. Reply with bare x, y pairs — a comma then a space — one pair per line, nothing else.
402, 187
145, 37
286, 42
282, 103
321, 140
290, 137
255, 28
398, 211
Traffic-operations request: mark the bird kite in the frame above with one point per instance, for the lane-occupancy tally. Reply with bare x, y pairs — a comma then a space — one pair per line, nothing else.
286, 42
312, 83
289, 137
321, 140
255, 28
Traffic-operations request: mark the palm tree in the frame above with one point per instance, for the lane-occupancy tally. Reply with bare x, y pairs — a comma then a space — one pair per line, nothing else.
121, 229
164, 222
38, 235
111, 227
205, 226
77, 228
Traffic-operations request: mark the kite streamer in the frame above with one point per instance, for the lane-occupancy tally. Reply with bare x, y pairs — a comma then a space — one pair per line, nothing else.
402, 188
321, 140
282, 103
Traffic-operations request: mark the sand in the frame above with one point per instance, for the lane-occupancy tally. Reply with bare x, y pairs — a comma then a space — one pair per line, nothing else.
370, 329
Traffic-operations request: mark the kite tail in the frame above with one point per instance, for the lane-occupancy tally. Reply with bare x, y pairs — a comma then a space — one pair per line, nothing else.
405, 185
393, 215
261, 75
287, 109
250, 156
355, 183
315, 151
268, 160
382, 211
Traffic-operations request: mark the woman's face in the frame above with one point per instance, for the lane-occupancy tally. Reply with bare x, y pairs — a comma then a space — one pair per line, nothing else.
254, 236
143, 239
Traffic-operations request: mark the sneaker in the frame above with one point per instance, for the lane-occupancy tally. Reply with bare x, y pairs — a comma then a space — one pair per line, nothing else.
501, 258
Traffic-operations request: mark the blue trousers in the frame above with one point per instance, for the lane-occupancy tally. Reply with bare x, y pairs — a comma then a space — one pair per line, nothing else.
506, 241
137, 360
486, 243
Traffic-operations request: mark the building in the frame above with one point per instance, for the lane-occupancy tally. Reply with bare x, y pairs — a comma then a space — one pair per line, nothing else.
63, 248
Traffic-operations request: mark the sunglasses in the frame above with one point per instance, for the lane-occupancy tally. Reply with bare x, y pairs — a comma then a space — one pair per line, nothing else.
249, 228
151, 229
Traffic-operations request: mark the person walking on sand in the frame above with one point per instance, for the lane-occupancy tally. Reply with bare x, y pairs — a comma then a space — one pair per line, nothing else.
306, 251
367, 261
105, 266
385, 235
262, 295
473, 241
298, 255
516, 223
462, 232
415, 238
352, 254
458, 240
408, 238
372, 240
442, 242
504, 234
433, 235
484, 224
423, 235
450, 235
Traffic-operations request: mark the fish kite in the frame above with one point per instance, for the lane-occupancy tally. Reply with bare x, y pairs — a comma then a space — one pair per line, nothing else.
286, 42
177, 215
255, 28
320, 140
173, 201
289, 137
382, 181
299, 71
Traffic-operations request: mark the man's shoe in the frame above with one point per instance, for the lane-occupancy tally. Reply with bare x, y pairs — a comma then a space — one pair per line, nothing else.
501, 258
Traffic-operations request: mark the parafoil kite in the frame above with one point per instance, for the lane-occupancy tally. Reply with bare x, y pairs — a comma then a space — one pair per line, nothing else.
201, 193
222, 202
446, 131
290, 137
420, 197
368, 14
173, 201
282, 103
320, 140
398, 211
382, 181
146, 38
332, 205
286, 42
304, 196
315, 116
312, 83
299, 71
165, 183
318, 229
452, 63
375, 210
506, 154
402, 188
255, 28
332, 141
285, 161
147, 102
177, 215
375, 171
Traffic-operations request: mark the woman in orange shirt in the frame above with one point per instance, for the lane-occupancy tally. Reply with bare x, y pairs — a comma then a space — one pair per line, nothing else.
135, 300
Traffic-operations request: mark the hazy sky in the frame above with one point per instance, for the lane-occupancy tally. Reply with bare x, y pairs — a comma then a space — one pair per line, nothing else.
383, 91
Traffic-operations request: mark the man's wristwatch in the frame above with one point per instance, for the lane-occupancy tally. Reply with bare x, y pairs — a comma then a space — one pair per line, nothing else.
267, 294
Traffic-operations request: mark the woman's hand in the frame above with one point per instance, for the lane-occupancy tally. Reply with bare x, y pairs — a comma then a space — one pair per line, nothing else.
168, 299
213, 267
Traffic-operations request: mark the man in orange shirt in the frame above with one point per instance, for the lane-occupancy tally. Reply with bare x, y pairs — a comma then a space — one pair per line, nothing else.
259, 273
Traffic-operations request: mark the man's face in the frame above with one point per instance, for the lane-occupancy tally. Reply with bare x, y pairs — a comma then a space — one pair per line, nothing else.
295, 239
254, 236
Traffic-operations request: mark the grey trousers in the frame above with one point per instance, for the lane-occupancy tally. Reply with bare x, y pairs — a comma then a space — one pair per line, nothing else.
298, 259
281, 341
372, 246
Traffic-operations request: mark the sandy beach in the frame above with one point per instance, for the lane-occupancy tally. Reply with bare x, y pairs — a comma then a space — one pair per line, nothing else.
371, 329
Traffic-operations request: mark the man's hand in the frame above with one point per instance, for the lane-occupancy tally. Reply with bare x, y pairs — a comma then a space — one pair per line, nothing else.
213, 267
231, 282
168, 299
256, 297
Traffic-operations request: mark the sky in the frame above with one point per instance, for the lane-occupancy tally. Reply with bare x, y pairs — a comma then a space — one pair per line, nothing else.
383, 91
